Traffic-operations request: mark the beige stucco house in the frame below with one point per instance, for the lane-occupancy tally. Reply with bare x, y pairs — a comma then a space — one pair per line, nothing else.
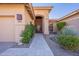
72, 20
14, 17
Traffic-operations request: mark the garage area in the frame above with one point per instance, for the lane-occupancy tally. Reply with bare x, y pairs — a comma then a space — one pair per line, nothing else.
7, 28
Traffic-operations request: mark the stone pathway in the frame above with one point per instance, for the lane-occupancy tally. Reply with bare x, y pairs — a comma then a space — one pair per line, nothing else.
38, 47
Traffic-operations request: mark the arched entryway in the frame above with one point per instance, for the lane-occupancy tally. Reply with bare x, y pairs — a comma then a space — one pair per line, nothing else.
38, 24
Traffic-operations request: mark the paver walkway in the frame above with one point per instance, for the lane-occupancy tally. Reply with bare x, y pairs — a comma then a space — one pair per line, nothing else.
38, 47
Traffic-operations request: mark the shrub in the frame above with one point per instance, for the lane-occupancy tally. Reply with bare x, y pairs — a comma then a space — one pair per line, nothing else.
27, 33
60, 25
68, 40
67, 31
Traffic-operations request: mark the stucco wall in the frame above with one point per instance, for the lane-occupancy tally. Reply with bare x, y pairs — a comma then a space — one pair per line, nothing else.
55, 27
72, 22
21, 25
28, 17
13, 9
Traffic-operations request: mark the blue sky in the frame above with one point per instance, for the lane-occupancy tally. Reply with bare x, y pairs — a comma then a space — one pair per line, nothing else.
59, 9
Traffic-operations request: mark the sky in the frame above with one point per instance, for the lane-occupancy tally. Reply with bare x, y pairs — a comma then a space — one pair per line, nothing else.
59, 9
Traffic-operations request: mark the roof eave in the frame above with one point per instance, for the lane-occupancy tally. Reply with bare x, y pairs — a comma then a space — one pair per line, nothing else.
30, 10
70, 14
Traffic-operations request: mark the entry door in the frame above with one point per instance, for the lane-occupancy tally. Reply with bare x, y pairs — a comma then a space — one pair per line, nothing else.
38, 23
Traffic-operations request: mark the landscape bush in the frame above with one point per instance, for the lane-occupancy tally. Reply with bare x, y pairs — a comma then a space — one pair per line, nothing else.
60, 25
27, 33
67, 31
68, 40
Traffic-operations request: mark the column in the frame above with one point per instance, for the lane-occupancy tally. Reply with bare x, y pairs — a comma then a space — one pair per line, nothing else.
45, 26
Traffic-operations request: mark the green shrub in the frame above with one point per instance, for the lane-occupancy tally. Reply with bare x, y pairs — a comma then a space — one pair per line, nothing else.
68, 39
67, 31
60, 25
69, 42
27, 33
